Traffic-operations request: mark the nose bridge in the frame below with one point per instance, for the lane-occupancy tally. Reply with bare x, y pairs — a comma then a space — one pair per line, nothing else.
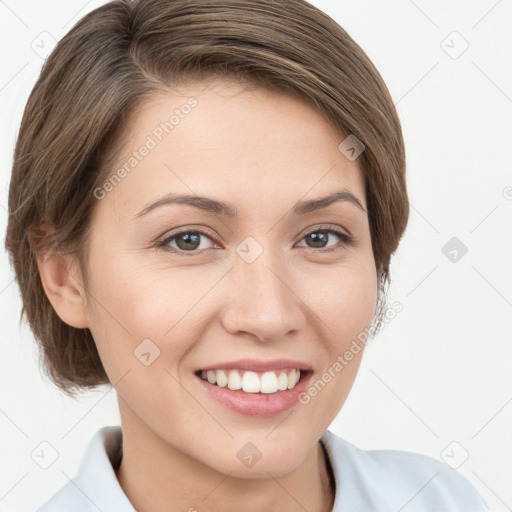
261, 301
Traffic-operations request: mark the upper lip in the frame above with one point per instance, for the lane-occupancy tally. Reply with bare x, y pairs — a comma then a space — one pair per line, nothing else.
258, 365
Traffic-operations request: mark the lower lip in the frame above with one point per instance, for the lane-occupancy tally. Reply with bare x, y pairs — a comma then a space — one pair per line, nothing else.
257, 404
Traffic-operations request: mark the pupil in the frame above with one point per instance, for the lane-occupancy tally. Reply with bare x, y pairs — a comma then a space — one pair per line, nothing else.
188, 238
320, 236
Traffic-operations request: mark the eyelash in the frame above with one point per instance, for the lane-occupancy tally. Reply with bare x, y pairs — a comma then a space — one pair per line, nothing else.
346, 240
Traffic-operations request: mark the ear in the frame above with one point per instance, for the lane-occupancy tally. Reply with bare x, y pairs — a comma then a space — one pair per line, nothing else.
62, 284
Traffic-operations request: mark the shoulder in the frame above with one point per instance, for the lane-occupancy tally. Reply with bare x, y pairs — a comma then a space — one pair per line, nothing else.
95, 485
68, 498
397, 480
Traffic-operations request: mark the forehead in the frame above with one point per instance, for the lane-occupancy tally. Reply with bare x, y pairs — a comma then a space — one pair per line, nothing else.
255, 147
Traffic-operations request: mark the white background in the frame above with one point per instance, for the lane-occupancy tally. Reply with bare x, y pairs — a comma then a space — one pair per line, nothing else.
441, 370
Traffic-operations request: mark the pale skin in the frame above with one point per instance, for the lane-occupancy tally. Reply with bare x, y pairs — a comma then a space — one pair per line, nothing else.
260, 151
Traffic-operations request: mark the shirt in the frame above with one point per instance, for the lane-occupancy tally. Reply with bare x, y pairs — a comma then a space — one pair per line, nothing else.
366, 480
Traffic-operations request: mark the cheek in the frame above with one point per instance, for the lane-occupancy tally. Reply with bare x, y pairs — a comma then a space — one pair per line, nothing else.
344, 305
343, 298
136, 302
146, 325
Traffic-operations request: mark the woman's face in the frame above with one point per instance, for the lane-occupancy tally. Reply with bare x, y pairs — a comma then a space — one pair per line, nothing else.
259, 288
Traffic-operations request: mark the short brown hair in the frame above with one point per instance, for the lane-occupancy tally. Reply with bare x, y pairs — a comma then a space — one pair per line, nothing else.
122, 52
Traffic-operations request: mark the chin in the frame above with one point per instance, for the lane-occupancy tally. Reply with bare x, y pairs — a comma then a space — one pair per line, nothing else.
262, 457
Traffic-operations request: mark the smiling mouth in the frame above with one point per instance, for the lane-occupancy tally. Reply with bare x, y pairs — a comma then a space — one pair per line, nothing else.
253, 382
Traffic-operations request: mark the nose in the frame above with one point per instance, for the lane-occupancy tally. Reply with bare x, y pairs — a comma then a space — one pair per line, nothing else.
261, 300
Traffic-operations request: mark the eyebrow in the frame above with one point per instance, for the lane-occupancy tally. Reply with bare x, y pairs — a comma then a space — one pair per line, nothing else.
218, 207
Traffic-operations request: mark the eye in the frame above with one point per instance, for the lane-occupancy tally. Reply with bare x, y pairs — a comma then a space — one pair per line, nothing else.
189, 241
186, 241
320, 236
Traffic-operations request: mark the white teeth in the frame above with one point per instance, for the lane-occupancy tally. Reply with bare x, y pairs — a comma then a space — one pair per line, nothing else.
252, 382
291, 379
222, 379
235, 381
282, 381
268, 382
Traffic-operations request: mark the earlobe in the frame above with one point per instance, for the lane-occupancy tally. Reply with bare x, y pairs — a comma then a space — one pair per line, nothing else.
62, 285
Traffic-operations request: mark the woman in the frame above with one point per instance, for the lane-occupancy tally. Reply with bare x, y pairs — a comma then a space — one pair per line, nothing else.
215, 192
